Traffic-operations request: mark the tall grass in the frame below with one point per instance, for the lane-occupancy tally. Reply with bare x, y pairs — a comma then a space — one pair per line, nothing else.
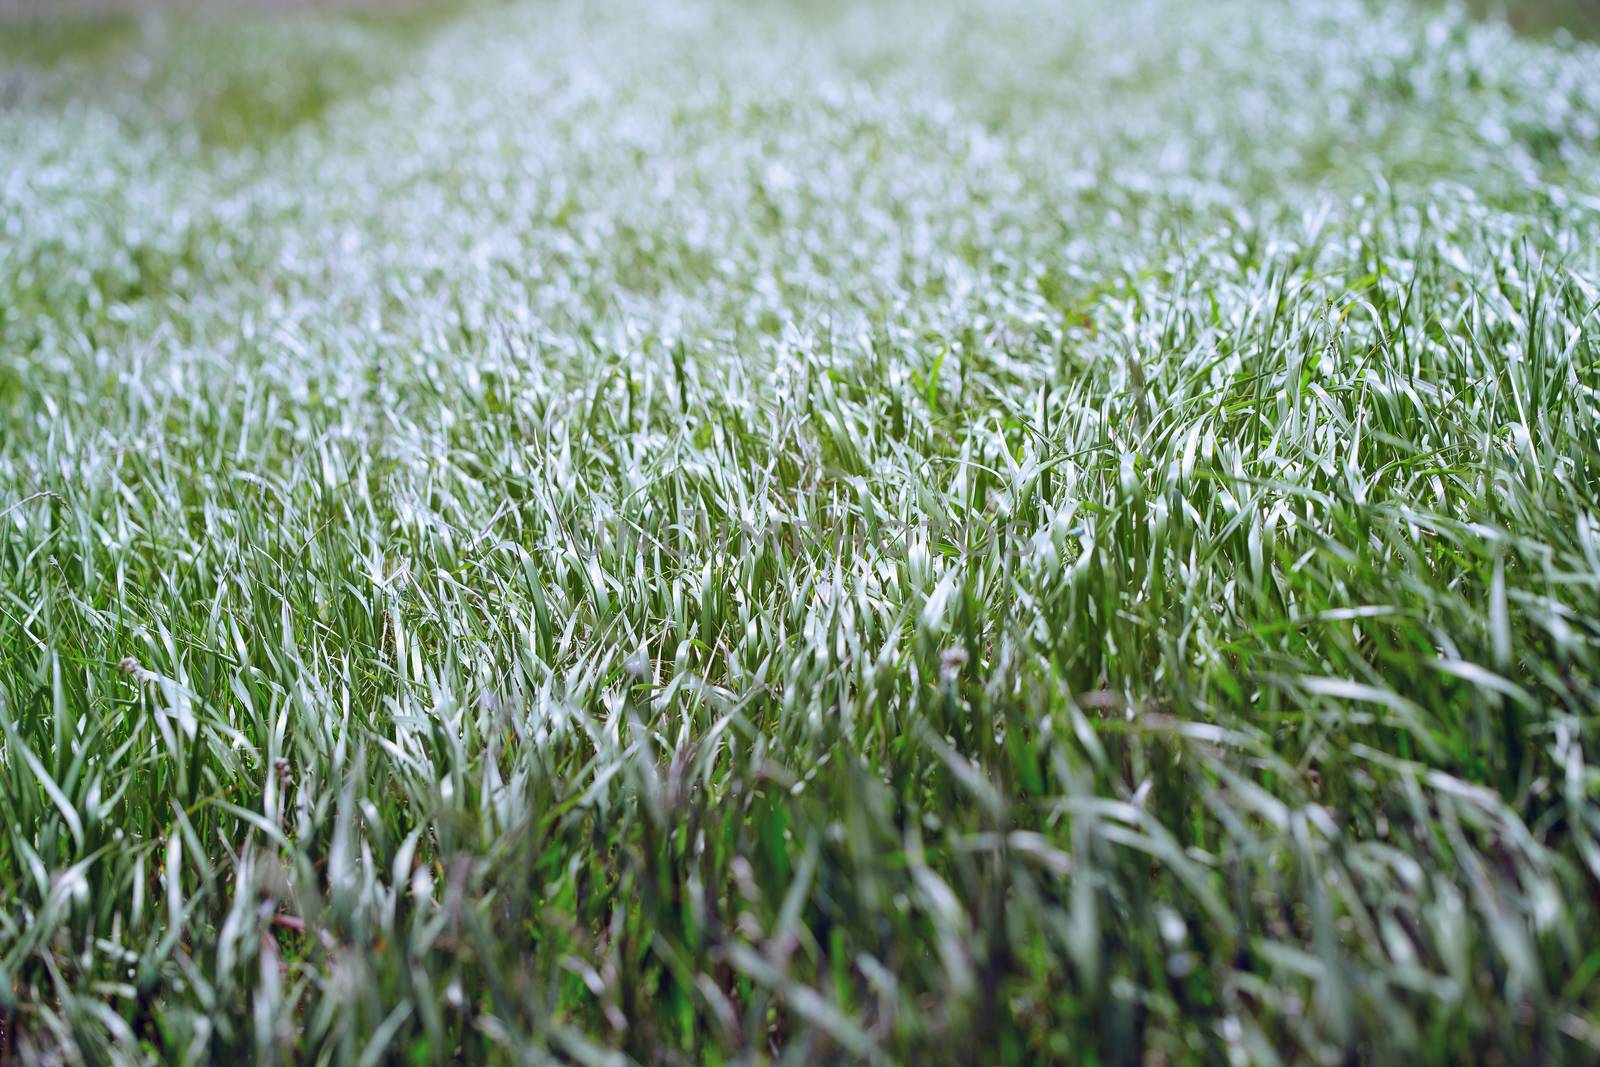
752, 533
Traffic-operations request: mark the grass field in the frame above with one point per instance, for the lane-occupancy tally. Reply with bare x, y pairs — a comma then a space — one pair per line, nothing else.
797, 533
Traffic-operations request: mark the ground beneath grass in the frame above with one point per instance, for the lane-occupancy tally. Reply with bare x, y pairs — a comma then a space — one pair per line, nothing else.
759, 533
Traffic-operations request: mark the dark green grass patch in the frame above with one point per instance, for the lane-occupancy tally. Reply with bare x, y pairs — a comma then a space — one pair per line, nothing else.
228, 79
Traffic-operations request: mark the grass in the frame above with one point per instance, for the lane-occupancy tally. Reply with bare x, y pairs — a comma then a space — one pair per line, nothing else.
1545, 17
760, 533
234, 78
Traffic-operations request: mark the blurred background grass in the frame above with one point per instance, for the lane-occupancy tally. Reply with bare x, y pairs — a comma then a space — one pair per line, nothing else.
216, 65
1542, 17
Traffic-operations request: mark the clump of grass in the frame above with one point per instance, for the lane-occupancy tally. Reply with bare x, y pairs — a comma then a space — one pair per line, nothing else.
1050, 535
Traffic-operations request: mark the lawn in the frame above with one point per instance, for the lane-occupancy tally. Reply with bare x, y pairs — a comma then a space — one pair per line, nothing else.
743, 533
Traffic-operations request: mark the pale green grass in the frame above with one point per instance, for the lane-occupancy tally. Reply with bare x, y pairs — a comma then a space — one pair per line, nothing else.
743, 533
